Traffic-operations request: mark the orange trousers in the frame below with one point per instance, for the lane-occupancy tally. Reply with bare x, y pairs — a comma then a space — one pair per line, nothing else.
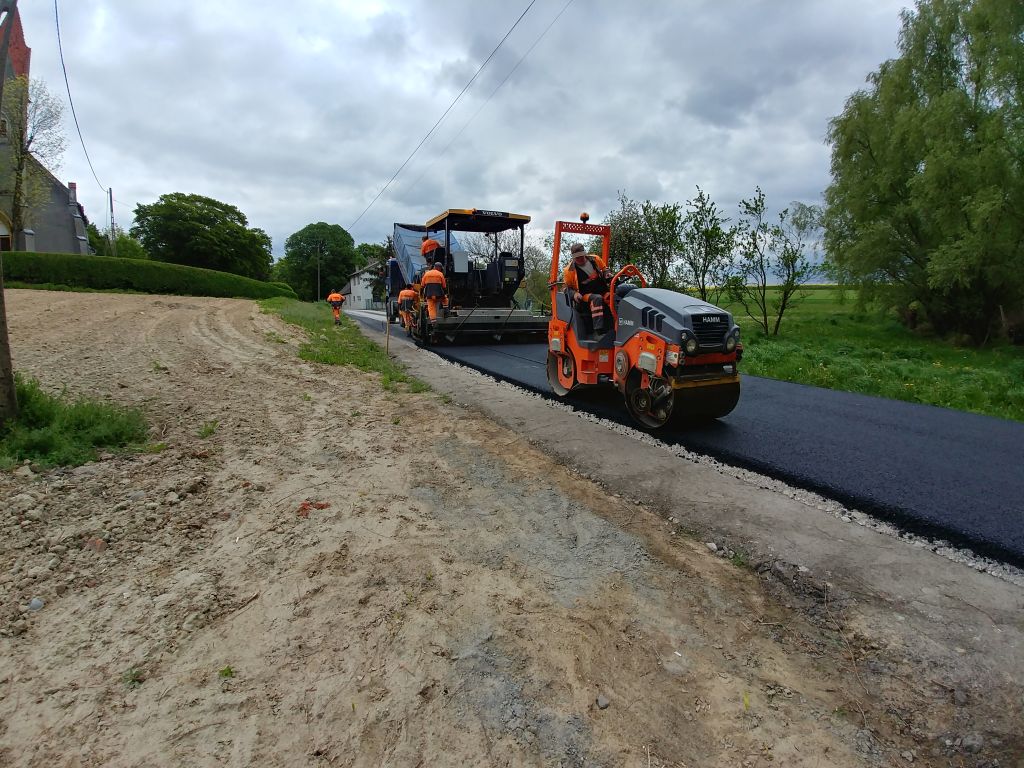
434, 305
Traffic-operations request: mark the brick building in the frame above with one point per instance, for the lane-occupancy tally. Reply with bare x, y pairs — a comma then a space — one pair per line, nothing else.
55, 222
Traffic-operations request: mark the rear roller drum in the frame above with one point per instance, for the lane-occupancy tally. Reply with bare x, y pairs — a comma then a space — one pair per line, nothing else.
707, 403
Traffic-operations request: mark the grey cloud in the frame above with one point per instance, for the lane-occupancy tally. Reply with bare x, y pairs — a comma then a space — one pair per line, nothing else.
303, 114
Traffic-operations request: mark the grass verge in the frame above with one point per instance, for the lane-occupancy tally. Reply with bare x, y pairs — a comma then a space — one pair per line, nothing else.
827, 341
51, 431
341, 344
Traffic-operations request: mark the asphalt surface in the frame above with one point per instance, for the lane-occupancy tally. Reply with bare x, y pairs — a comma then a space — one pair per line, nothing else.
932, 471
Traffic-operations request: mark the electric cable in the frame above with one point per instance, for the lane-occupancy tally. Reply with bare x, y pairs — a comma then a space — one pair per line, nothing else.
487, 100
442, 117
56, 16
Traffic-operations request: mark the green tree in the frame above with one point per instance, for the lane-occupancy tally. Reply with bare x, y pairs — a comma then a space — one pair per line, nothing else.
320, 249
537, 264
707, 248
773, 262
199, 231
648, 235
375, 255
927, 172
125, 246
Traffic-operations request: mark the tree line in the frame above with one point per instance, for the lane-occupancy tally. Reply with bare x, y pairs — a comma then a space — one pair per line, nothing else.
202, 232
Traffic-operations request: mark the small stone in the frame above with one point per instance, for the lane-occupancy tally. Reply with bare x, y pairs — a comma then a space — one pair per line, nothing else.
602, 702
712, 546
34, 514
36, 604
25, 472
54, 564
960, 697
37, 468
907, 755
972, 743
60, 589
136, 495
19, 627
172, 498
58, 549
152, 505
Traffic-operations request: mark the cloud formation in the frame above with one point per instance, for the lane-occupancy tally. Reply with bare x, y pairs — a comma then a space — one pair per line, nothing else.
301, 114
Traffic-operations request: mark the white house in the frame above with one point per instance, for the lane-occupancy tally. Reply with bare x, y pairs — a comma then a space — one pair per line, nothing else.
358, 291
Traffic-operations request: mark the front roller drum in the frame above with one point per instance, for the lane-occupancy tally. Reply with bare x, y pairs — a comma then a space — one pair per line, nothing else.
561, 373
650, 407
707, 403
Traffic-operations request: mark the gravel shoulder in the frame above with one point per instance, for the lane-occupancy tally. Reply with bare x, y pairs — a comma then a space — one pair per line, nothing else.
340, 575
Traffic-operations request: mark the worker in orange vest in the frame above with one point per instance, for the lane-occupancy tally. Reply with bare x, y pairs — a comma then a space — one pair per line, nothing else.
587, 280
335, 299
428, 246
435, 289
406, 304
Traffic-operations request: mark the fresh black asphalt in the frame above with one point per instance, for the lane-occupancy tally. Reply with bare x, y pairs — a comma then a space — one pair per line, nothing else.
932, 471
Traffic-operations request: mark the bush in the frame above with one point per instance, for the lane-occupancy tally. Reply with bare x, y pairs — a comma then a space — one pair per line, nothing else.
54, 432
106, 273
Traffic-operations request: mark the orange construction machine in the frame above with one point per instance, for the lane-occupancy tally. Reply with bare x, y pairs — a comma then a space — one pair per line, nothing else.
669, 354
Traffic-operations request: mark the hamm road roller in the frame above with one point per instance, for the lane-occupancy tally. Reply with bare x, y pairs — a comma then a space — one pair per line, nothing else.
670, 355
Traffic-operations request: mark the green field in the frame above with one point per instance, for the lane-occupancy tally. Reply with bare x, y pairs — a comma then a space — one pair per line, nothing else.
828, 342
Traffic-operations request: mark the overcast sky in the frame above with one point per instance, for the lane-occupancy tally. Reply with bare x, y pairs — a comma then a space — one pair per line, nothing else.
301, 114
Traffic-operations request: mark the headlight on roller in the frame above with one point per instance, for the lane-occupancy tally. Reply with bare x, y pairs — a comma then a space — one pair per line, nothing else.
691, 345
730, 343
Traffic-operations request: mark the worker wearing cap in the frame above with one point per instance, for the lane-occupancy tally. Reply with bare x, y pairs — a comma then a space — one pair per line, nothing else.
335, 299
406, 303
587, 280
428, 246
435, 289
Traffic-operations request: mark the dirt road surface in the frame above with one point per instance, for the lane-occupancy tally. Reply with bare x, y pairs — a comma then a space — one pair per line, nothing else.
340, 575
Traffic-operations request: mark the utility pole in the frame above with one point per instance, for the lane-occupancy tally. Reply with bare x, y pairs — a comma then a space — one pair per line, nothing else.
8, 394
113, 228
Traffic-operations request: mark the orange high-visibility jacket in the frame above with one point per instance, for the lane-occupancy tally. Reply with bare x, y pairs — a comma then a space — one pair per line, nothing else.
434, 276
335, 297
429, 245
571, 280
407, 294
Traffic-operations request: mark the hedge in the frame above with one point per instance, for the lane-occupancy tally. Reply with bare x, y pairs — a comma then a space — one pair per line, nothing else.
108, 272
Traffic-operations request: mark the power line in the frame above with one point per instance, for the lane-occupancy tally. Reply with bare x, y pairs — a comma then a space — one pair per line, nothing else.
487, 100
56, 16
442, 117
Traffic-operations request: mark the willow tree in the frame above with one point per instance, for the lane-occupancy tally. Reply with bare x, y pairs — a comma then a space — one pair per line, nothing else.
928, 169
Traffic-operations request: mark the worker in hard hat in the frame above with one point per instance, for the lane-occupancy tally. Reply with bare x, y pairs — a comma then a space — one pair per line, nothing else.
406, 303
335, 299
435, 290
587, 281
428, 246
